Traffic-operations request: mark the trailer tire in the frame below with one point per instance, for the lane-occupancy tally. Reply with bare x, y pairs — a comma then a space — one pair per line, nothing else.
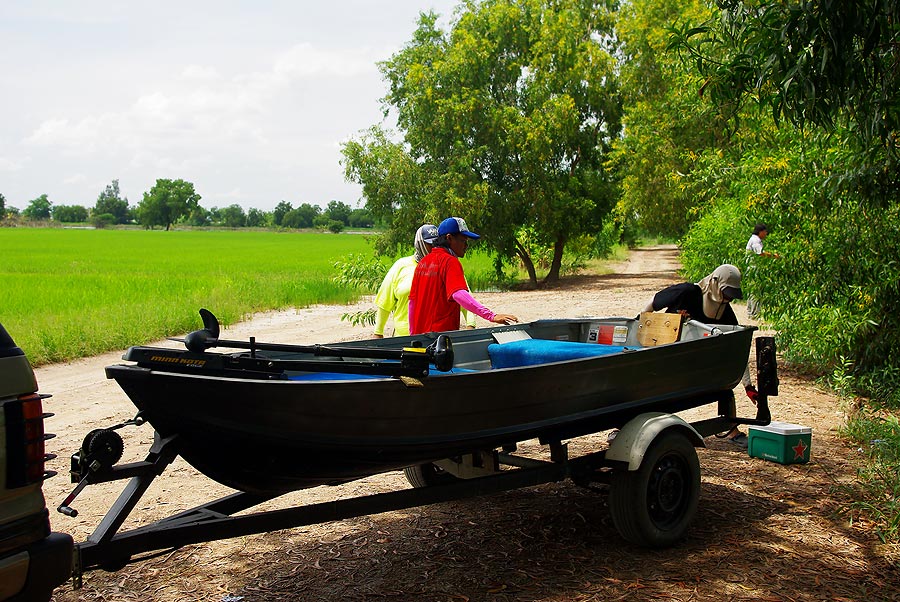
654, 505
427, 475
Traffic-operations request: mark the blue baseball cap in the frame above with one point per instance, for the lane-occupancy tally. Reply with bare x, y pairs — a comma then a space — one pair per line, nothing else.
455, 225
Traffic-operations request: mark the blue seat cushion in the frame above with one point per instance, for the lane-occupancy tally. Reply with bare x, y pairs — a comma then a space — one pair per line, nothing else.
532, 352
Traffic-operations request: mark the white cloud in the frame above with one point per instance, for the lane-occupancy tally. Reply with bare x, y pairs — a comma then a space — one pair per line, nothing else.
75, 179
200, 73
7, 164
251, 102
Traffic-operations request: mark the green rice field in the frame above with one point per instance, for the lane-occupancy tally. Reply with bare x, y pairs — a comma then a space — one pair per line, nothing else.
73, 293
69, 293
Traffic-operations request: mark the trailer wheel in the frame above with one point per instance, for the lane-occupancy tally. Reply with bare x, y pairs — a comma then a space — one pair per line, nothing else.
427, 475
654, 505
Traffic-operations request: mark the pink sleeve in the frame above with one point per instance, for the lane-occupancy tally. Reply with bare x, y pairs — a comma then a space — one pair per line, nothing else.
466, 300
411, 317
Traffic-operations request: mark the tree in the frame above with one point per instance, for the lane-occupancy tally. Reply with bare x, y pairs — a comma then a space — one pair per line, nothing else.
111, 202
70, 213
233, 216
508, 121
361, 218
166, 203
279, 212
393, 184
668, 125
338, 211
38, 209
200, 217
307, 215
257, 217
811, 62
2, 206
304, 216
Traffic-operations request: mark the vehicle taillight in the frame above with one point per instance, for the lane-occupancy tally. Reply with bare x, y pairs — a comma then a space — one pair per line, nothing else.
25, 441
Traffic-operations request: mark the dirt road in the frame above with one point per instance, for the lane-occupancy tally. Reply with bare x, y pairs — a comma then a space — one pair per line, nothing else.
764, 531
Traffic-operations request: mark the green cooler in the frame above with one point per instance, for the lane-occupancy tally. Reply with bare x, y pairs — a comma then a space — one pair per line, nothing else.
780, 442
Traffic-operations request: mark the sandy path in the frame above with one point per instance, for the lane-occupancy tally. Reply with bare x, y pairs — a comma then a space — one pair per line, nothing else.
765, 531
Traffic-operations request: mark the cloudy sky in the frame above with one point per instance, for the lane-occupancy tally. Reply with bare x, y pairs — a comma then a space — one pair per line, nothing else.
249, 101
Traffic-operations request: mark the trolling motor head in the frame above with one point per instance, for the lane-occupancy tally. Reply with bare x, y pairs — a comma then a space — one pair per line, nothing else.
199, 341
441, 353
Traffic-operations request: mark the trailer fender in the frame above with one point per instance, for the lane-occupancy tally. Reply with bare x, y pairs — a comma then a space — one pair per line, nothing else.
632, 441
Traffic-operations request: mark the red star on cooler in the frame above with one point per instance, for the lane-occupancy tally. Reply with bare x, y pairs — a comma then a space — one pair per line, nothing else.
799, 450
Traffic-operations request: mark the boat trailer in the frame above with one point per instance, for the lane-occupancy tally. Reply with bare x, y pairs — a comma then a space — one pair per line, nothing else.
475, 474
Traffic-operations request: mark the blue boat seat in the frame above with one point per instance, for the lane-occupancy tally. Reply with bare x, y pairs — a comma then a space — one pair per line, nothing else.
532, 352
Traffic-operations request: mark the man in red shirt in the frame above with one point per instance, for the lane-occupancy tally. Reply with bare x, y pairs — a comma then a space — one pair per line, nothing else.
439, 286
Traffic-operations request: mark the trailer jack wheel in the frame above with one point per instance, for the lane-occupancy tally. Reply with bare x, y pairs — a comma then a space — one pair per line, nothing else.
654, 505
427, 475
112, 565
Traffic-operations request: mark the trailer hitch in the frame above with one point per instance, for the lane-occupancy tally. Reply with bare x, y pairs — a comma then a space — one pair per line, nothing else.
95, 459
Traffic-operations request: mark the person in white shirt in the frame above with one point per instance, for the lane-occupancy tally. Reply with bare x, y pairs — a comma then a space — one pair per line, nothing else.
755, 245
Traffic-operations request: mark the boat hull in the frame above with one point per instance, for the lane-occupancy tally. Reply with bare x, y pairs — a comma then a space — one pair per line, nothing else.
267, 435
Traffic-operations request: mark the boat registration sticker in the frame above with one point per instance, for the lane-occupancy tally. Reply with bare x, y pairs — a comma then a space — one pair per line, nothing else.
607, 334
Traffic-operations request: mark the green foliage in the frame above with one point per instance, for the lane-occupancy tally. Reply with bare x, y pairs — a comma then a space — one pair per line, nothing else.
832, 291
38, 209
166, 203
814, 63
2, 206
256, 218
668, 125
361, 218
102, 220
304, 216
365, 317
69, 213
67, 295
361, 271
233, 216
507, 120
111, 202
393, 184
281, 209
339, 212
877, 490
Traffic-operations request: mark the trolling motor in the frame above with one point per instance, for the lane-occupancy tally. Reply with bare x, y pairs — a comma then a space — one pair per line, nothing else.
99, 452
413, 360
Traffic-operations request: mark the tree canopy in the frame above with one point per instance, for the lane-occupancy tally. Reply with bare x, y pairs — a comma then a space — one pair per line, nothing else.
507, 121
69, 213
166, 203
38, 209
111, 202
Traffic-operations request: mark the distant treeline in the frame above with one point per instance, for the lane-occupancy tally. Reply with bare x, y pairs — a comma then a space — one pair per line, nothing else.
172, 202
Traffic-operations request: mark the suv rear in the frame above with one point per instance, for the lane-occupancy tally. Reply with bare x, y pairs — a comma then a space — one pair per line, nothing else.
33, 561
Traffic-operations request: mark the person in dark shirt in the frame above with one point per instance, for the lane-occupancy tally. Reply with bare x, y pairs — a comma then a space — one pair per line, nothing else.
708, 301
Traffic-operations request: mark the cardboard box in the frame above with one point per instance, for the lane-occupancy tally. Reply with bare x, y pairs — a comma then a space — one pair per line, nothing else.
780, 442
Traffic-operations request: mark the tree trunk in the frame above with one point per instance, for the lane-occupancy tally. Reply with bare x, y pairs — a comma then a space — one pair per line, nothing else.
529, 265
558, 248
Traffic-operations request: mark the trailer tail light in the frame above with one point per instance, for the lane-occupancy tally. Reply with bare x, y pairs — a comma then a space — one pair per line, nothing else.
25, 438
